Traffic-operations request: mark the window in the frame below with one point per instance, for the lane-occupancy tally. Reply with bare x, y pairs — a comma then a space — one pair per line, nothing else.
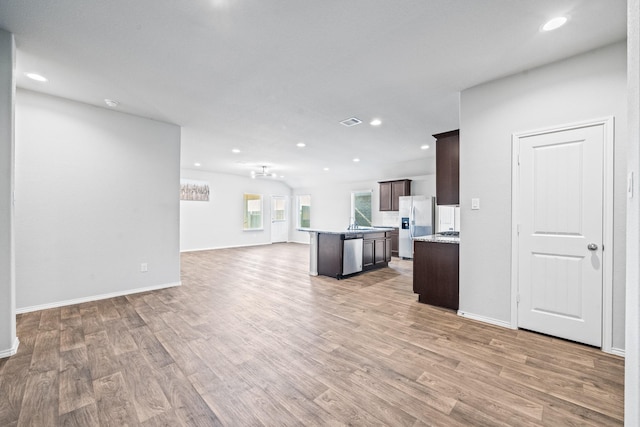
304, 211
361, 207
279, 208
252, 212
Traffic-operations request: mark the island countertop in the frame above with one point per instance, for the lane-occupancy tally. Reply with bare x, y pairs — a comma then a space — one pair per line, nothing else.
360, 230
437, 238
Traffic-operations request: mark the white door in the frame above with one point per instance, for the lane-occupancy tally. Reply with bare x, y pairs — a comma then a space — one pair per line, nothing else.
279, 221
560, 210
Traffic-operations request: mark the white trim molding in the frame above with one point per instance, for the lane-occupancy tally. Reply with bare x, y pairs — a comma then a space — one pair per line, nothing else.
617, 351
485, 319
607, 254
95, 298
11, 351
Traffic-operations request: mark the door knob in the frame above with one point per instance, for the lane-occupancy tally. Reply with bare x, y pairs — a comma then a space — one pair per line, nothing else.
592, 247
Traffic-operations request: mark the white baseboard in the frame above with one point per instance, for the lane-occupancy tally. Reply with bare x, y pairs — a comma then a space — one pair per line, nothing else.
224, 247
485, 319
11, 351
617, 351
94, 298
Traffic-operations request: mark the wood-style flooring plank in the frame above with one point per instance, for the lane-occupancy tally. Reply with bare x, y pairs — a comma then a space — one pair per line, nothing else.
71, 333
40, 401
46, 351
84, 416
148, 397
101, 357
76, 386
115, 404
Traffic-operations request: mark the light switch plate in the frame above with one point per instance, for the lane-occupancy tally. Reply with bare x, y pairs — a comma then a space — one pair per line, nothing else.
475, 204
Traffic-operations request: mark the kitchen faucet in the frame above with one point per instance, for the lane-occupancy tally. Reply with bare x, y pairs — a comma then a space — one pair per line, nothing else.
353, 225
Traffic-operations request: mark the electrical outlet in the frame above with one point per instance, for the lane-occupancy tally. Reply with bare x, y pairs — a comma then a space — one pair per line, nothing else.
144, 267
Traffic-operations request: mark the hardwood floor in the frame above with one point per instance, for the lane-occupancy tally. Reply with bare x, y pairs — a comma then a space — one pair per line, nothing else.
251, 339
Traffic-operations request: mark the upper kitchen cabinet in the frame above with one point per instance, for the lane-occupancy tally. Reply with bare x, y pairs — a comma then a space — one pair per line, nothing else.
448, 168
390, 191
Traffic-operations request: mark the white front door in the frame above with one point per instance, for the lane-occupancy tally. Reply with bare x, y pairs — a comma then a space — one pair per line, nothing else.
560, 211
279, 221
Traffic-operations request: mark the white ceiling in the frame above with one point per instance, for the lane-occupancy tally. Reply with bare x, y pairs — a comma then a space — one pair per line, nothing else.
264, 75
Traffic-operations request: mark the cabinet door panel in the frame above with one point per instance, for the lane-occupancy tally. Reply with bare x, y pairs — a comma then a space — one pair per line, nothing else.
379, 251
367, 252
385, 196
399, 189
448, 168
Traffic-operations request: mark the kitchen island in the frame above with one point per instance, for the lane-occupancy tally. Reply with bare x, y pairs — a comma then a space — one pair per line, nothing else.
343, 253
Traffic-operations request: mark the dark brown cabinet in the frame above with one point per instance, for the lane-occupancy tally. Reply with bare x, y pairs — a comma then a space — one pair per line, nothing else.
390, 191
368, 247
448, 168
385, 196
376, 250
435, 273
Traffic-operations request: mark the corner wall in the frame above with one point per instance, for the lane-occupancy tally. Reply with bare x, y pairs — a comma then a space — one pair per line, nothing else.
96, 196
588, 86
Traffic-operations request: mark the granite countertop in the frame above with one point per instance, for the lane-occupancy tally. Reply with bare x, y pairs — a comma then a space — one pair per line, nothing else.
437, 238
360, 230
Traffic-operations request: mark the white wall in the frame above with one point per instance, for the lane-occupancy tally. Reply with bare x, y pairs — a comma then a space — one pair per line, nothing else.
331, 204
96, 196
218, 223
8, 341
589, 86
632, 352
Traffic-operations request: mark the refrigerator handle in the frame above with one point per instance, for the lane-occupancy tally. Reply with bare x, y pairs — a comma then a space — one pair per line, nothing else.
412, 219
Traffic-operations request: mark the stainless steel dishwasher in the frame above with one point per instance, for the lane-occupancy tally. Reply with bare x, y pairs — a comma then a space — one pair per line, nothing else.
352, 254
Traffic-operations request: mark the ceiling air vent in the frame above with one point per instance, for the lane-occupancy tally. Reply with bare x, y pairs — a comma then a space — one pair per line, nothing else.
351, 122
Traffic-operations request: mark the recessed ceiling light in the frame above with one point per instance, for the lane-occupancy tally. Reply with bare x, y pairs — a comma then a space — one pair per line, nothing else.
424, 147
301, 144
325, 169
235, 151
554, 23
281, 176
35, 76
356, 160
111, 103
197, 164
375, 122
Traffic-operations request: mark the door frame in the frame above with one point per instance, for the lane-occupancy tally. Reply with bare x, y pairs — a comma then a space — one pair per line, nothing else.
607, 219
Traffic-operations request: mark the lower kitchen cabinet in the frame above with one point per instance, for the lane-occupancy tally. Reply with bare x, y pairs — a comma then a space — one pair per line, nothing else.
436, 273
376, 251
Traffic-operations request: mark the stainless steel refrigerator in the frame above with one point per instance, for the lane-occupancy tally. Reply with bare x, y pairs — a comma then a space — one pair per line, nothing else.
416, 215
